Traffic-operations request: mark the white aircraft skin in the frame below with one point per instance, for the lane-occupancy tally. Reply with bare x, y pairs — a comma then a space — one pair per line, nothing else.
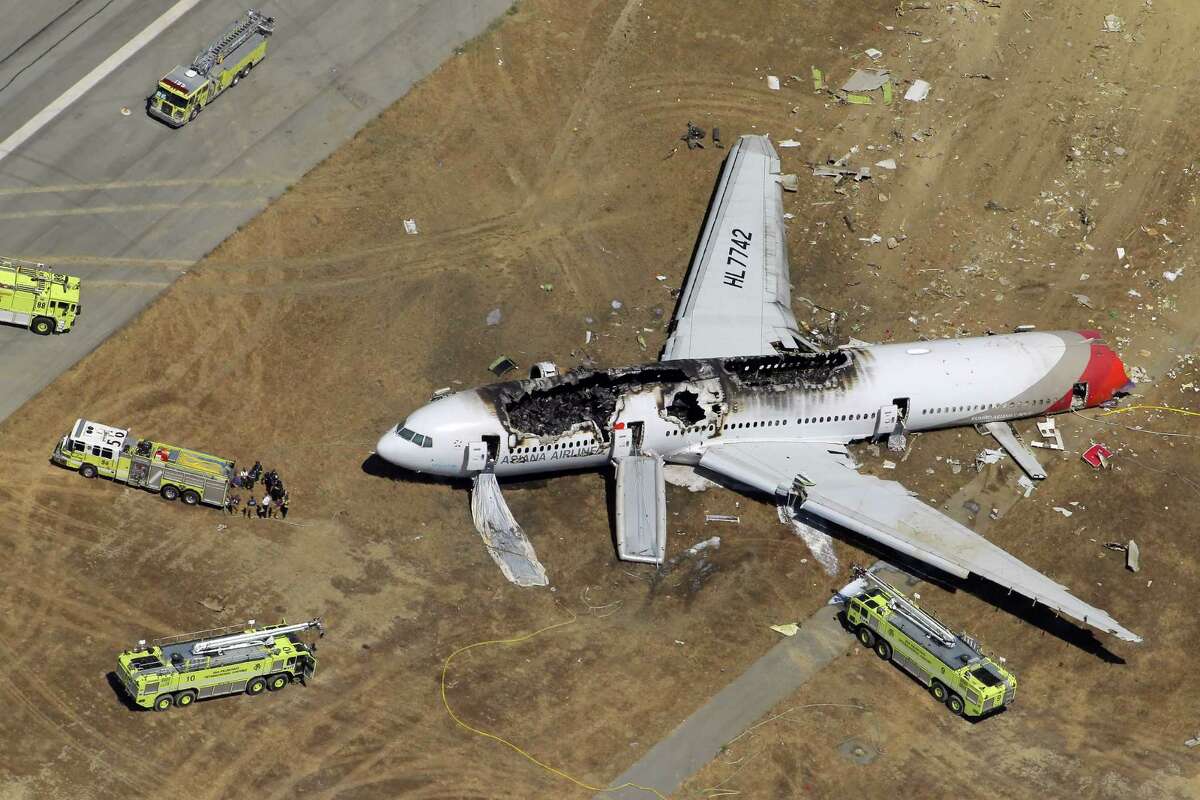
949, 383
742, 393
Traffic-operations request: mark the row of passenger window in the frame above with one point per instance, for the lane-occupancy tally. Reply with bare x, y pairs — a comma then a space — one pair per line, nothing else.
845, 417
538, 448
985, 407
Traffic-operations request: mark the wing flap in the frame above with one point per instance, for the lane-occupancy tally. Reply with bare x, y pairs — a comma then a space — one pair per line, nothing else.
886, 512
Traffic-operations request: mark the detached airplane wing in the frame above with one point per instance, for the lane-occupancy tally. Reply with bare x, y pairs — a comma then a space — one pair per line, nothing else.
737, 300
888, 513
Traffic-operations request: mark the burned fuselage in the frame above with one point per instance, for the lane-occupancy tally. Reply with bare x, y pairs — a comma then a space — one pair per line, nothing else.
668, 405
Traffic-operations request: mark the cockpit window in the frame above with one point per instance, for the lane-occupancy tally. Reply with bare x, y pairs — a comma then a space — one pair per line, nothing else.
418, 439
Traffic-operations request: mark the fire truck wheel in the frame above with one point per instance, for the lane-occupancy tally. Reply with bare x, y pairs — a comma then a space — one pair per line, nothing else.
883, 650
185, 698
939, 691
191, 497
163, 702
865, 636
256, 686
195, 111
42, 326
277, 682
169, 493
955, 704
88, 471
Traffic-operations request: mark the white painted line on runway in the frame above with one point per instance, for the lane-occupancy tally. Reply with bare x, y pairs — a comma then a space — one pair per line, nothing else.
43, 117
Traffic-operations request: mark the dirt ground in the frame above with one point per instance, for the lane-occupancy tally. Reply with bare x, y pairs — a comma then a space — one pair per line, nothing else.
547, 152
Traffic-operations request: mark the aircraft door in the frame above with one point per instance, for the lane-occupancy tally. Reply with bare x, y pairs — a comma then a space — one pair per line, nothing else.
627, 439
885, 420
476, 456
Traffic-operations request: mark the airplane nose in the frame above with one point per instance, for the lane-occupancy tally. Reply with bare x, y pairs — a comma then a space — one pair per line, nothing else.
391, 449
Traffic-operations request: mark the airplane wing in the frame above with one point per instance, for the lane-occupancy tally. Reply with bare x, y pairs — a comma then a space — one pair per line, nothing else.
888, 513
737, 300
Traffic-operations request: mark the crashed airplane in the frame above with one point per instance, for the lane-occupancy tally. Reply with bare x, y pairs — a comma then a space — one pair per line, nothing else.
748, 400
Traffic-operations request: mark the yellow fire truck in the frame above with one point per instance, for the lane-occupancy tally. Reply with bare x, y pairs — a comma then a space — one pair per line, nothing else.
36, 298
185, 91
176, 473
179, 670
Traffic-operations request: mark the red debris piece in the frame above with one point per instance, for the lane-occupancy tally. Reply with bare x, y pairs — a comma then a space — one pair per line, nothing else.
1098, 455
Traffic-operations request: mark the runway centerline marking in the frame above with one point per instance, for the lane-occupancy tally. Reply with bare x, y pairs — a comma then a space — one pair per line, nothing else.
84, 84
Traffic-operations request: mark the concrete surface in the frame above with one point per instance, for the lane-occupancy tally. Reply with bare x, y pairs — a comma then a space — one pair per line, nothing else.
767, 682
127, 203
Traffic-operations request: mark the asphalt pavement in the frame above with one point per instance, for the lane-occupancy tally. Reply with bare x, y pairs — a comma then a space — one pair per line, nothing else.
127, 203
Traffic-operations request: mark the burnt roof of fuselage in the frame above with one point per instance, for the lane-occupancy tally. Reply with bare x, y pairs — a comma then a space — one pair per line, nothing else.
788, 369
543, 406
546, 406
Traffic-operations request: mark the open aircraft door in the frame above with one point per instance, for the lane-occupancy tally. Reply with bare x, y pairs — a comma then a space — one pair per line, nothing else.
476, 456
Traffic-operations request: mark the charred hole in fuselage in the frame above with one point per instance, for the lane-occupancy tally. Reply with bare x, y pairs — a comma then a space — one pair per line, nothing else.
579, 397
685, 406
792, 369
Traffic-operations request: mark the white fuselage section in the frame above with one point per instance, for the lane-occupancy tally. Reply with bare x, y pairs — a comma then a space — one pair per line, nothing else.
879, 390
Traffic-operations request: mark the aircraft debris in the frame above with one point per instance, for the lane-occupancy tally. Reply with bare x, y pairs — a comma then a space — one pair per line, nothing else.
493, 317
790, 629
1083, 300
835, 170
1172, 276
1049, 430
1132, 556
713, 543
616, 305
1066, 512
1025, 485
1120, 254
1097, 456
716, 137
722, 518
887, 163
789, 183
410, 227
788, 143
505, 541
1113, 24
773, 83
502, 365
819, 543
1007, 437
1193, 742
889, 464
693, 136
873, 54
818, 79
866, 80
918, 91
987, 456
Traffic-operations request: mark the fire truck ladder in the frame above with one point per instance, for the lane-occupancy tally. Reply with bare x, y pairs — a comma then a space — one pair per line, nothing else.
34, 270
233, 38
263, 637
259, 638
902, 605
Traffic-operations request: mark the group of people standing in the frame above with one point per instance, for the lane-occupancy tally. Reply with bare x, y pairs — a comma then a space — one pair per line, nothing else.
273, 502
